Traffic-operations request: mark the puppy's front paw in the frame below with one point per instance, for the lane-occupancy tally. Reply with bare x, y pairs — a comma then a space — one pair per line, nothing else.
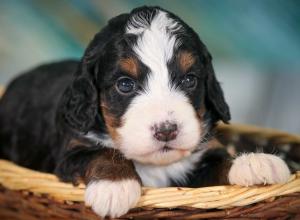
112, 198
258, 168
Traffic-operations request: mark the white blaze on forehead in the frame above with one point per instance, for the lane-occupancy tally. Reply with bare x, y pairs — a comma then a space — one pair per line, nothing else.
155, 44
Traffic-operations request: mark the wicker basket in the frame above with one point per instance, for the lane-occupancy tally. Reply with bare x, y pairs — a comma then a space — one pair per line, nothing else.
27, 194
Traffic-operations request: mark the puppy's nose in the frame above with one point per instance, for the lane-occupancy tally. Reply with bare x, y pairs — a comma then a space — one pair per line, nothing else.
166, 131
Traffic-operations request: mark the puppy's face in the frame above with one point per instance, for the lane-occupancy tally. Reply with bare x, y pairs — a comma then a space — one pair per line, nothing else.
156, 88
153, 90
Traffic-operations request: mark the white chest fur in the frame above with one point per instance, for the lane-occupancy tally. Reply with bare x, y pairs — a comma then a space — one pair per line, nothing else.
161, 176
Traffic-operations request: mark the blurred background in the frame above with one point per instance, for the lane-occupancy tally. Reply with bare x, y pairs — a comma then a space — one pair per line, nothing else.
255, 45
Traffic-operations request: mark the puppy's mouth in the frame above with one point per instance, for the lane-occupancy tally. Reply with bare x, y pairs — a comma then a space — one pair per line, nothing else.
162, 156
166, 149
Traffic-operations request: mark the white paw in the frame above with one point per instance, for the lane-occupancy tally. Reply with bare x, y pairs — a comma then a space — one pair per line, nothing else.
258, 168
112, 198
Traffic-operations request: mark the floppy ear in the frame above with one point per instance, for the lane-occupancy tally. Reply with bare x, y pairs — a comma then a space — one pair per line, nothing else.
216, 106
79, 101
79, 105
215, 100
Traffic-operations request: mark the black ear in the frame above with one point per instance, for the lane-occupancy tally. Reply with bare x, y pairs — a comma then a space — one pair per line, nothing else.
216, 106
215, 100
79, 104
79, 101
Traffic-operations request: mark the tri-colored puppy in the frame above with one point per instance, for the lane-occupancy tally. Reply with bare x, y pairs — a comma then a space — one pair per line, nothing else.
139, 109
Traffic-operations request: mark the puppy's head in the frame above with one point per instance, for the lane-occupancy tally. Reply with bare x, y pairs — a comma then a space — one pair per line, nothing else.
150, 79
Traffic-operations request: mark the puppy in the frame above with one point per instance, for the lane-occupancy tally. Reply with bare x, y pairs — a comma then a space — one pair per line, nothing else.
139, 109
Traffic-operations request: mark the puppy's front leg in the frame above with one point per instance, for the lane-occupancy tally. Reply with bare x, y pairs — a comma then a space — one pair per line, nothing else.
217, 167
113, 186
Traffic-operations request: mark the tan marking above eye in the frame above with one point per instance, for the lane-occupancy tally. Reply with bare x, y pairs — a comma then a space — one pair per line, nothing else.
186, 60
129, 65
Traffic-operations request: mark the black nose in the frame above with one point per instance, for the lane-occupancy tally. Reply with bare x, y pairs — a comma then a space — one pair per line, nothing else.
166, 131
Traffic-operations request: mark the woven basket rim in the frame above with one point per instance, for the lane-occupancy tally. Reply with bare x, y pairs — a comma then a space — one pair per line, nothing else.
14, 177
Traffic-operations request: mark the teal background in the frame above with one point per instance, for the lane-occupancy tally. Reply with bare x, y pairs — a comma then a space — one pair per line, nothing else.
255, 45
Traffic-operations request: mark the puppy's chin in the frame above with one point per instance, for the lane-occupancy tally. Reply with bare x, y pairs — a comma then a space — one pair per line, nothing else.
161, 157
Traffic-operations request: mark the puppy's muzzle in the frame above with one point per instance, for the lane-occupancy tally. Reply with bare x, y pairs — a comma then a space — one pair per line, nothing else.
166, 131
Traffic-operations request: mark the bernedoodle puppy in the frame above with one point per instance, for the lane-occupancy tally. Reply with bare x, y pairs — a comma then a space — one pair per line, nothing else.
139, 109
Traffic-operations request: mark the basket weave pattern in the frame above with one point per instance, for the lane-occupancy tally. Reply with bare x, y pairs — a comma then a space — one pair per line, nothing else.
41, 195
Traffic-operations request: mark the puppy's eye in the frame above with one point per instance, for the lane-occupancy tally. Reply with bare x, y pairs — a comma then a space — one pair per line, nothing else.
125, 85
189, 82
